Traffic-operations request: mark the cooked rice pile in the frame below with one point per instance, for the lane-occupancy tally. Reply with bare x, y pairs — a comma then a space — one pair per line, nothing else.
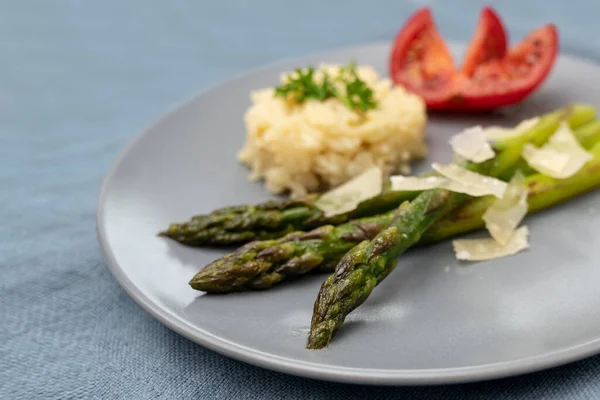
308, 147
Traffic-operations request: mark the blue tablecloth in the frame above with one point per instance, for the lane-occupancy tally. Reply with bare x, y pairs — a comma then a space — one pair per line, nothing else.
78, 79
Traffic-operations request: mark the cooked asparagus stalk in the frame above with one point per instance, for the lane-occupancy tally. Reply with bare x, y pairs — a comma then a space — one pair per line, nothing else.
367, 264
274, 219
262, 264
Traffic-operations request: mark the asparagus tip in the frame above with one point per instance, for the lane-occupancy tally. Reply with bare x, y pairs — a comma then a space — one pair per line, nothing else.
202, 281
320, 336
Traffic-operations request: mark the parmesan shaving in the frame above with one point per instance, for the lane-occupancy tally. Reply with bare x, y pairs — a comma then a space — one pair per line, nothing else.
545, 159
561, 157
487, 249
471, 183
472, 145
348, 196
505, 214
494, 133
414, 183
455, 179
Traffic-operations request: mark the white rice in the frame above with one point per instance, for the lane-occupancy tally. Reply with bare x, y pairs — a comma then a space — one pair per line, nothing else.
302, 148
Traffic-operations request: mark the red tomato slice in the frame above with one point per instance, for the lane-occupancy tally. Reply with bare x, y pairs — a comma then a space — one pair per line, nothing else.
507, 81
488, 42
421, 61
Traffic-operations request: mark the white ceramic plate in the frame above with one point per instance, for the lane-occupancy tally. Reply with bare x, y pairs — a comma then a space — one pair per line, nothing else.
431, 321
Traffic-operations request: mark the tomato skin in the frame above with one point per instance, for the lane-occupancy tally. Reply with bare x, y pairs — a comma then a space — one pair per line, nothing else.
420, 59
488, 43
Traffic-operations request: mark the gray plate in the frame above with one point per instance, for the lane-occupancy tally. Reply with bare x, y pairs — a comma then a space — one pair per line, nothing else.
432, 320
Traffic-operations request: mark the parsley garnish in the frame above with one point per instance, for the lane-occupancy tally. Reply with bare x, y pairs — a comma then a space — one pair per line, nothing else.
354, 92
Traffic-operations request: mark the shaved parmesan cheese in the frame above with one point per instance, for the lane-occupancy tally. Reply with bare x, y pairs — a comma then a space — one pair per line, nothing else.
561, 157
472, 145
494, 133
413, 183
471, 183
487, 249
346, 197
455, 179
505, 214
545, 159
501, 220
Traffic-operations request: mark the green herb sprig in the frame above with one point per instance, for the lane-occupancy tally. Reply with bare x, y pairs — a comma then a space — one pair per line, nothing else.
356, 95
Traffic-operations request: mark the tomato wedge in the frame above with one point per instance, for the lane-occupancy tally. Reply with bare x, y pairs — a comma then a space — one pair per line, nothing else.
507, 81
488, 42
420, 61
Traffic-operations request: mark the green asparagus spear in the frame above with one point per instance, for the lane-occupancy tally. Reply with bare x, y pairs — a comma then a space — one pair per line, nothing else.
274, 219
367, 264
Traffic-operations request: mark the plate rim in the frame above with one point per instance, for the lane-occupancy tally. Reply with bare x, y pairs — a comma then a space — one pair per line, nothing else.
388, 377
